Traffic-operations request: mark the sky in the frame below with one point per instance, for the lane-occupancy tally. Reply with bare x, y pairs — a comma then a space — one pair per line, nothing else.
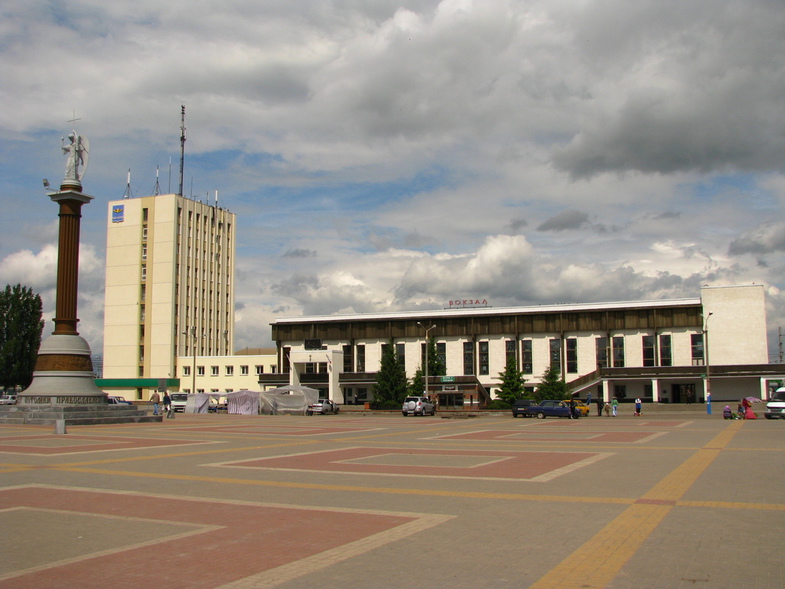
388, 155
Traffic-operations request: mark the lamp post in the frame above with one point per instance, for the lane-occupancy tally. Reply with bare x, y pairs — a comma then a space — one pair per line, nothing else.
192, 332
708, 366
427, 330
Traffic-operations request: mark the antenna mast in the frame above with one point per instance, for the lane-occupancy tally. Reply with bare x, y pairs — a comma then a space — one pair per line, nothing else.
182, 146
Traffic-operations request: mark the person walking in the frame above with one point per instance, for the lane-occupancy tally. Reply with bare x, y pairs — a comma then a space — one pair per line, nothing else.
155, 399
599, 406
614, 405
168, 406
638, 406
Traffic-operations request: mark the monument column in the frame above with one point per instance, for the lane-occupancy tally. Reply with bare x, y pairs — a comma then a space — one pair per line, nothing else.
63, 372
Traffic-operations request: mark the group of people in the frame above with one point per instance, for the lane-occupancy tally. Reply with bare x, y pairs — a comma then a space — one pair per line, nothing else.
743, 411
612, 408
155, 399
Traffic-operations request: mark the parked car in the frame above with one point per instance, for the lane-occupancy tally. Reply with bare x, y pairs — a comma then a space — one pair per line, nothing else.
323, 407
775, 408
550, 408
520, 408
8, 399
178, 401
582, 407
117, 400
418, 406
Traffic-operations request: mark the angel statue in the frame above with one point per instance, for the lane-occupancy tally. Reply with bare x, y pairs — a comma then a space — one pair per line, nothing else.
78, 151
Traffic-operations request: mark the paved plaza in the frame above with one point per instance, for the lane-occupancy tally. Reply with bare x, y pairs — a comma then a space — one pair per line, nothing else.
674, 498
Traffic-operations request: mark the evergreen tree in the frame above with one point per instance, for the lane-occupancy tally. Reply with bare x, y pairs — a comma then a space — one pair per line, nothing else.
436, 365
20, 335
391, 384
417, 385
552, 386
512, 382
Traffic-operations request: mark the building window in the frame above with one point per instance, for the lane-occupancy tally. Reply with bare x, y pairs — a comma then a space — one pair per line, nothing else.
697, 349
200, 371
618, 351
144, 271
648, 350
602, 352
620, 391
186, 371
144, 252
259, 369
229, 370
572, 354
361, 358
527, 356
243, 371
666, 355
348, 360
468, 357
484, 357
400, 354
509, 353
213, 371
441, 354
555, 354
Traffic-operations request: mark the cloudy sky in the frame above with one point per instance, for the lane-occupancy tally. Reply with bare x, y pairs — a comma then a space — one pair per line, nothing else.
396, 154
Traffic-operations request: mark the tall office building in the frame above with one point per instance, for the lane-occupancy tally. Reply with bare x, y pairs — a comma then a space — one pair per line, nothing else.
169, 289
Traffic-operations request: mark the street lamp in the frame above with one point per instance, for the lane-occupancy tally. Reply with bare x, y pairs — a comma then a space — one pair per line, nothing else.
427, 330
193, 343
708, 367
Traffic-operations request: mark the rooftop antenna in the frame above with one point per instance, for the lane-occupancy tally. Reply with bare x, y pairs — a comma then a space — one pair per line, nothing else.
127, 193
216, 199
157, 189
182, 146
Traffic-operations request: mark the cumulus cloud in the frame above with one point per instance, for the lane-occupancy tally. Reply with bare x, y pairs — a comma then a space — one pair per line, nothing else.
299, 253
565, 221
530, 151
764, 239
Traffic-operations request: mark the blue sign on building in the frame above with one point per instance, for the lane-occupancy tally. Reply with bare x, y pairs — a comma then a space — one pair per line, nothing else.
118, 211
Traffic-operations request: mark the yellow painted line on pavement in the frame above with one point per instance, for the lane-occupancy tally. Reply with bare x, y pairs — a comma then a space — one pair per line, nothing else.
598, 561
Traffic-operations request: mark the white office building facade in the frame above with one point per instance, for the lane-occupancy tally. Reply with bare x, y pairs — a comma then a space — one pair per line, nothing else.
665, 351
169, 290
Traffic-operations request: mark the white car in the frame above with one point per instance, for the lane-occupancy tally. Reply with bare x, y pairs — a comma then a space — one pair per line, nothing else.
8, 399
775, 408
323, 406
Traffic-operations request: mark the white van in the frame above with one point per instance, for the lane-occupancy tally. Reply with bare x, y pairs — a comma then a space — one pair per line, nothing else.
178, 401
775, 408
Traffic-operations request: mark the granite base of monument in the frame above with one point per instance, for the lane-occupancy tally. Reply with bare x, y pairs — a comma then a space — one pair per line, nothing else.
75, 415
63, 389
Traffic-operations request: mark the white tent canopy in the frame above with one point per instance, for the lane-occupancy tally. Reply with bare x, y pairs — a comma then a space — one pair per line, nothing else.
242, 402
288, 399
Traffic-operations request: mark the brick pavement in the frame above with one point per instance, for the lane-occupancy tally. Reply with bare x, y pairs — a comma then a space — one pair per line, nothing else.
675, 499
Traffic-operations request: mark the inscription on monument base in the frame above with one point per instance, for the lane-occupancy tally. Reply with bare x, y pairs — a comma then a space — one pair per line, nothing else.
61, 400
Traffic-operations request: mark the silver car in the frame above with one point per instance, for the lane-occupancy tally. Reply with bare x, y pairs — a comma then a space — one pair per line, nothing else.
323, 406
418, 406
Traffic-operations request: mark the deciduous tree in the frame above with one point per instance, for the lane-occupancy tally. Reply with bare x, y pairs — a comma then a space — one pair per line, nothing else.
20, 335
